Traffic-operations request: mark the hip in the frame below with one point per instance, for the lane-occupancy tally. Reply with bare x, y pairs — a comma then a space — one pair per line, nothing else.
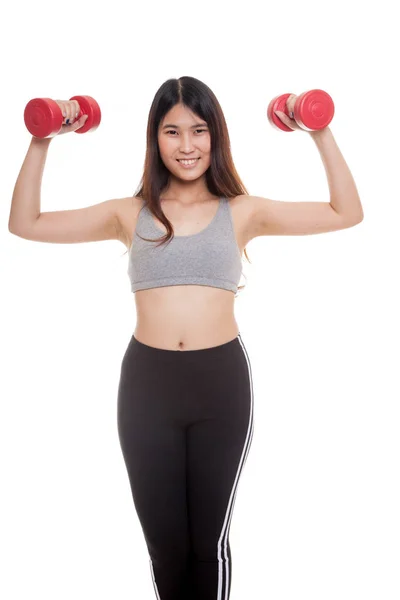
213, 381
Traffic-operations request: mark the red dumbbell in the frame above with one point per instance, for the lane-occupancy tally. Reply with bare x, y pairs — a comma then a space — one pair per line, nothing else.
313, 110
43, 117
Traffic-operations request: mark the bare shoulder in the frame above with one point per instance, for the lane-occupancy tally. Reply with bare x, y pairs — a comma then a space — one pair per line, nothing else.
242, 209
128, 210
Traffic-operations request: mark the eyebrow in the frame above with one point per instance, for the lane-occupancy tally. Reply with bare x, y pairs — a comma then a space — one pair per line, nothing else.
192, 127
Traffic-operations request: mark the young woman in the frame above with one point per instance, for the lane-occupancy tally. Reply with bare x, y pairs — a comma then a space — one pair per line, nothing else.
185, 400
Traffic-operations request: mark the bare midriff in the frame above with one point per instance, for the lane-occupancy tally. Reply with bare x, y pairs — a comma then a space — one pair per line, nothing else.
185, 317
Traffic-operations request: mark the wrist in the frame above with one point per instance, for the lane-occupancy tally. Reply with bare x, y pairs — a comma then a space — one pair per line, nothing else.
41, 141
320, 133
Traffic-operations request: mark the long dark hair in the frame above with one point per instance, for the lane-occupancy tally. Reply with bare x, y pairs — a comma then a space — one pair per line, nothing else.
221, 177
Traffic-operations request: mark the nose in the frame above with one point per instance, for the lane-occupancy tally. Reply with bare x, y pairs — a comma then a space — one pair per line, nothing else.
186, 143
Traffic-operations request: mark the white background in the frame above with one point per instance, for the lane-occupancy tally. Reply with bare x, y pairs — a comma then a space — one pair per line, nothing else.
316, 515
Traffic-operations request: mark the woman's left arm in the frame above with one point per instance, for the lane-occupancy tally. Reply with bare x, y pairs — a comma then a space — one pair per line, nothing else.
344, 197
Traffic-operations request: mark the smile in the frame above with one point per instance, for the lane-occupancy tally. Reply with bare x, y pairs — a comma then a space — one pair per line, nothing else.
188, 163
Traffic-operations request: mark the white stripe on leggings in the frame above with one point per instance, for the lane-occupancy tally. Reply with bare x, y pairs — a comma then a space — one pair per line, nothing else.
154, 579
227, 522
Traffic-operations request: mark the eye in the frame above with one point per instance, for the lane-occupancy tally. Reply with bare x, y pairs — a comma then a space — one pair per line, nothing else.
173, 131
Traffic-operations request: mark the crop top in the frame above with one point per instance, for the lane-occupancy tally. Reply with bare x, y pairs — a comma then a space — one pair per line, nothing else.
210, 257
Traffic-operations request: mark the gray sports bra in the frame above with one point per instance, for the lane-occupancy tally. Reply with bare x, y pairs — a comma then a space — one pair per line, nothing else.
210, 257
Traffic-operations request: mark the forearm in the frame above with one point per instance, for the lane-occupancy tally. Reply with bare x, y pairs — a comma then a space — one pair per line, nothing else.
344, 196
25, 205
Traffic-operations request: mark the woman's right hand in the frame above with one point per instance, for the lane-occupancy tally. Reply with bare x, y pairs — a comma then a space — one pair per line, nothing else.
70, 110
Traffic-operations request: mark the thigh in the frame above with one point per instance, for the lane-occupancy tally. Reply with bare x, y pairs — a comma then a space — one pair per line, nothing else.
217, 445
153, 446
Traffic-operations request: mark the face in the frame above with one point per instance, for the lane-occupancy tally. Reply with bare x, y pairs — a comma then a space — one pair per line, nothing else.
182, 134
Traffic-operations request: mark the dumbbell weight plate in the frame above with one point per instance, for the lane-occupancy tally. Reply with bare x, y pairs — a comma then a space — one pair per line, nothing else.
278, 103
314, 110
43, 117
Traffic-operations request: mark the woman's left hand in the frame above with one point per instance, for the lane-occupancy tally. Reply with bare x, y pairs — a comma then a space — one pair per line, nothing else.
289, 121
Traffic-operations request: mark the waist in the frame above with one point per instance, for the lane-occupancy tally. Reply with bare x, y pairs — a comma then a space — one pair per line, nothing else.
164, 340
185, 317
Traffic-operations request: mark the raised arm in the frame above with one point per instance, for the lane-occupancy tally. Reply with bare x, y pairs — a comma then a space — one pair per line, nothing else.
93, 223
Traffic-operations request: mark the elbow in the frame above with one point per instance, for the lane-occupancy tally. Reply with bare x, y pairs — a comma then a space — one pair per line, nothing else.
12, 229
15, 231
355, 220
360, 219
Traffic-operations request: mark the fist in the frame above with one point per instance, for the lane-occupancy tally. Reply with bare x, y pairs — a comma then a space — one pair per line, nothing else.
70, 110
289, 120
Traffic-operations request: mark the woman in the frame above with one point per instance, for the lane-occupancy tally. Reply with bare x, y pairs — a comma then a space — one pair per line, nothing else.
185, 401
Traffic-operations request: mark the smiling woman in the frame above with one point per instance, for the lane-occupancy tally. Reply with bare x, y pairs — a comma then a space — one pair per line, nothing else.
186, 123
185, 395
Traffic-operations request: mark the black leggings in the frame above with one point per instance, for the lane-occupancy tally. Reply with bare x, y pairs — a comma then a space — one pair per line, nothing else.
185, 424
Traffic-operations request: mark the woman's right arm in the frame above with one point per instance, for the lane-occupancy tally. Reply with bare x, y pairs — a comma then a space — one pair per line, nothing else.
98, 222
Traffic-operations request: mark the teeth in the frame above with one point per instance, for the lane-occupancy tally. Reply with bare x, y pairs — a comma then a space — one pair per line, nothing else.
188, 162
